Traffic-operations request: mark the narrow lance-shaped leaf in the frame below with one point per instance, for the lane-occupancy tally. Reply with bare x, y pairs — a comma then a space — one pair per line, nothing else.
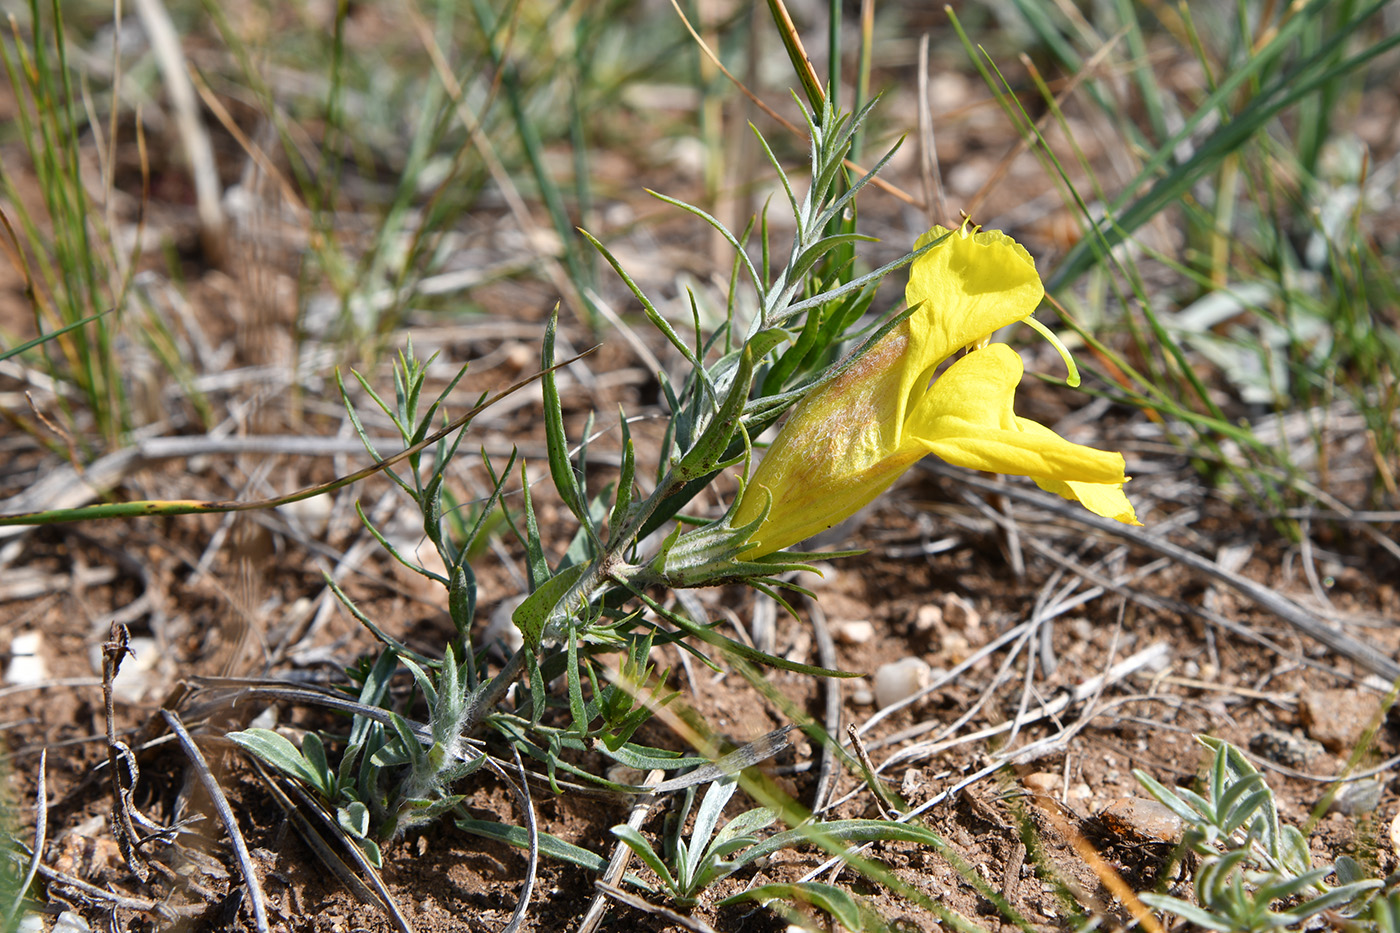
653, 315
533, 615
278, 751
556, 443
838, 902
623, 500
536, 567
716, 438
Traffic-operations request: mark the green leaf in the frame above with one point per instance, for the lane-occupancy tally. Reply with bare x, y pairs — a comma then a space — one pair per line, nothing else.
409, 742
643, 850
373, 692
746, 824
345, 774
1188, 911
1385, 911
536, 567
1166, 797
653, 315
556, 443
354, 819
841, 831
29, 344
623, 499
711, 809
1131, 209
391, 643
315, 754
423, 681
552, 846
837, 902
461, 598
711, 637
533, 615
372, 852
278, 751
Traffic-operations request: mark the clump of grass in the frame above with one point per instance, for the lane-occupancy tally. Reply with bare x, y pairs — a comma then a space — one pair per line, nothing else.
66, 254
1280, 286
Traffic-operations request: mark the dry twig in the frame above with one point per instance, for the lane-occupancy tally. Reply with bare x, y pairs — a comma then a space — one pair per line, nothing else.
225, 812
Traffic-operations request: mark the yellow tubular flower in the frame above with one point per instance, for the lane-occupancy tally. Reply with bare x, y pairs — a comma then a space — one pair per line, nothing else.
849, 440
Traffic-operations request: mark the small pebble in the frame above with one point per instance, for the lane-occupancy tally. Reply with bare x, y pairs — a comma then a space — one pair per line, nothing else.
958, 612
901, 679
1042, 783
860, 692
622, 774
26, 662
1141, 820
855, 633
1357, 797
68, 922
953, 647
310, 515
1337, 718
913, 784
1287, 749
928, 618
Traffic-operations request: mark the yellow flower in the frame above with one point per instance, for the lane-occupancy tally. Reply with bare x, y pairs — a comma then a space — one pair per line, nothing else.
851, 438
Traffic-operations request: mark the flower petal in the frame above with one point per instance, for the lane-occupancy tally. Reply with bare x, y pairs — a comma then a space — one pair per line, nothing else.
1104, 499
834, 454
967, 287
967, 419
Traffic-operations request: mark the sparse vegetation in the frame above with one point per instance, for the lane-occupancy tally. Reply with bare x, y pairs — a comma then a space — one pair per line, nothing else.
549, 584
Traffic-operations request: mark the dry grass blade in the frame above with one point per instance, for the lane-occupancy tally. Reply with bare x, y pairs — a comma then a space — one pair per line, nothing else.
745, 756
1179, 607
521, 792
885, 800
1359, 652
47, 515
622, 855
1151, 657
826, 656
377, 894
225, 812
1028, 139
99, 895
244, 689
794, 129
484, 147
41, 828
929, 173
1105, 872
165, 43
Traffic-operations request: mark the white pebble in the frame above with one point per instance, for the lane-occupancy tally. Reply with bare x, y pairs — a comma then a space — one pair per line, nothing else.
856, 632
959, 613
26, 663
69, 922
901, 679
928, 618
